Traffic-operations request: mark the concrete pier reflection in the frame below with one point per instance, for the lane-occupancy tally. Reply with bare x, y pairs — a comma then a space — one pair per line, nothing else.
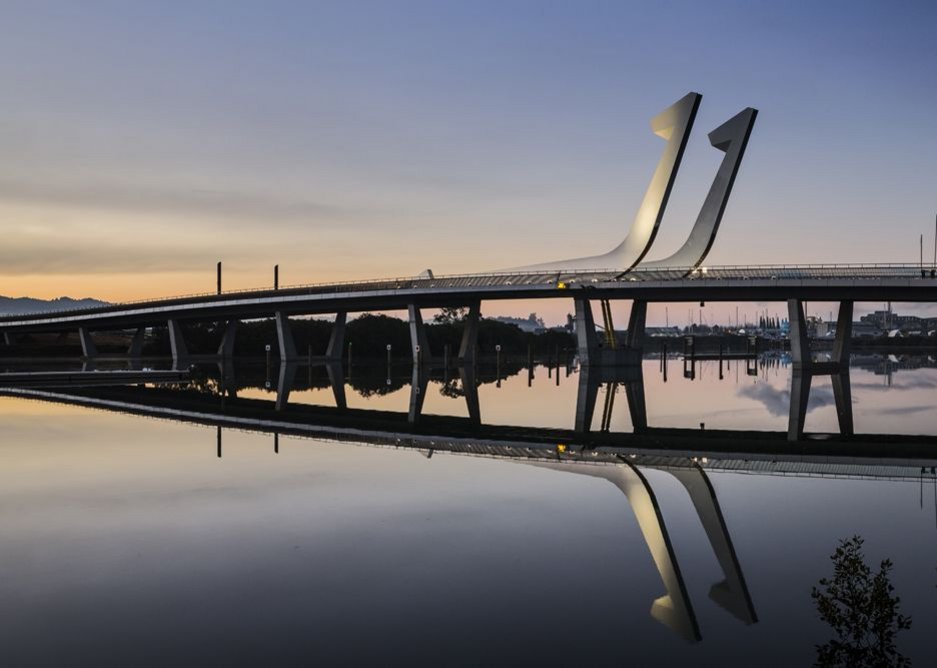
592, 377
801, 380
286, 381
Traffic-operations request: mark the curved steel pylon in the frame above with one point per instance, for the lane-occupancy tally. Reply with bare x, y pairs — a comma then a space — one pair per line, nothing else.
674, 125
732, 138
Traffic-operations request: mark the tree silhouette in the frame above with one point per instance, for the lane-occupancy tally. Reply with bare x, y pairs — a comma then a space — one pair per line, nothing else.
860, 608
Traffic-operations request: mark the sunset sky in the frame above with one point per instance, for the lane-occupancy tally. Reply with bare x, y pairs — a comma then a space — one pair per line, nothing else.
142, 142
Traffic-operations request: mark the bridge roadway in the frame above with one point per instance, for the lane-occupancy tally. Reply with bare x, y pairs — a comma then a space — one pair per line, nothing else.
794, 285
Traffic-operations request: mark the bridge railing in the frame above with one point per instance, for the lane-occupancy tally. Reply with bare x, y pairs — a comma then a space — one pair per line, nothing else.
784, 272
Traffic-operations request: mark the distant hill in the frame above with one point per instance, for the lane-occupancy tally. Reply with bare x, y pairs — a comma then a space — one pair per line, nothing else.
22, 305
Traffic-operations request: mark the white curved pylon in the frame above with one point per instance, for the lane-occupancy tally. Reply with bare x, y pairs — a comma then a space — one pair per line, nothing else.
674, 125
731, 137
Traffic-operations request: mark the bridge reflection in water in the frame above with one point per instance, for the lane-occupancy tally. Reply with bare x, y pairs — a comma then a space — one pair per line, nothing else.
623, 459
675, 608
591, 379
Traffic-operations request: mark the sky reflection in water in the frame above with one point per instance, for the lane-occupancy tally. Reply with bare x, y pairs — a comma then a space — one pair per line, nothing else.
128, 539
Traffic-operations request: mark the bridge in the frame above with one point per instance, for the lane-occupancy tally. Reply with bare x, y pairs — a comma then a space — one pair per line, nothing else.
845, 284
623, 273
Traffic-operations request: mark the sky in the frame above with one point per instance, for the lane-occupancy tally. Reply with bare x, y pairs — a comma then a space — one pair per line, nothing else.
143, 142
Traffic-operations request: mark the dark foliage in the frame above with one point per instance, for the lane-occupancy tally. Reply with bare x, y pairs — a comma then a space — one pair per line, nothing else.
367, 336
860, 608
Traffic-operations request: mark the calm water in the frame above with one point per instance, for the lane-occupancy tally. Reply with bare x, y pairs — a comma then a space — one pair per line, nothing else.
131, 539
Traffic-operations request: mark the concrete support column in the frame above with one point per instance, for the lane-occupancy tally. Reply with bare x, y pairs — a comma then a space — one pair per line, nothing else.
229, 386
285, 383
470, 389
800, 395
337, 382
636, 323
637, 404
470, 334
177, 342
337, 338
136, 344
842, 395
585, 332
88, 349
418, 384
419, 344
843, 334
226, 347
285, 337
586, 397
800, 345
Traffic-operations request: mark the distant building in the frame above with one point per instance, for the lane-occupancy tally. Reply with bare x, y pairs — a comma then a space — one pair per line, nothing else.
663, 331
531, 324
865, 329
889, 320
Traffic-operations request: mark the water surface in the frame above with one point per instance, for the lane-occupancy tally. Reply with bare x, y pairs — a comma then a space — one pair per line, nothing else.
126, 538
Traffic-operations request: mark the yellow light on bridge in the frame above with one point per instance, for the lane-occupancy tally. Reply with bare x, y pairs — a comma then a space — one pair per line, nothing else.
561, 285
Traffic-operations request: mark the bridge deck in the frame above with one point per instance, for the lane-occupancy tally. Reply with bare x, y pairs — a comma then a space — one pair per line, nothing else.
858, 282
